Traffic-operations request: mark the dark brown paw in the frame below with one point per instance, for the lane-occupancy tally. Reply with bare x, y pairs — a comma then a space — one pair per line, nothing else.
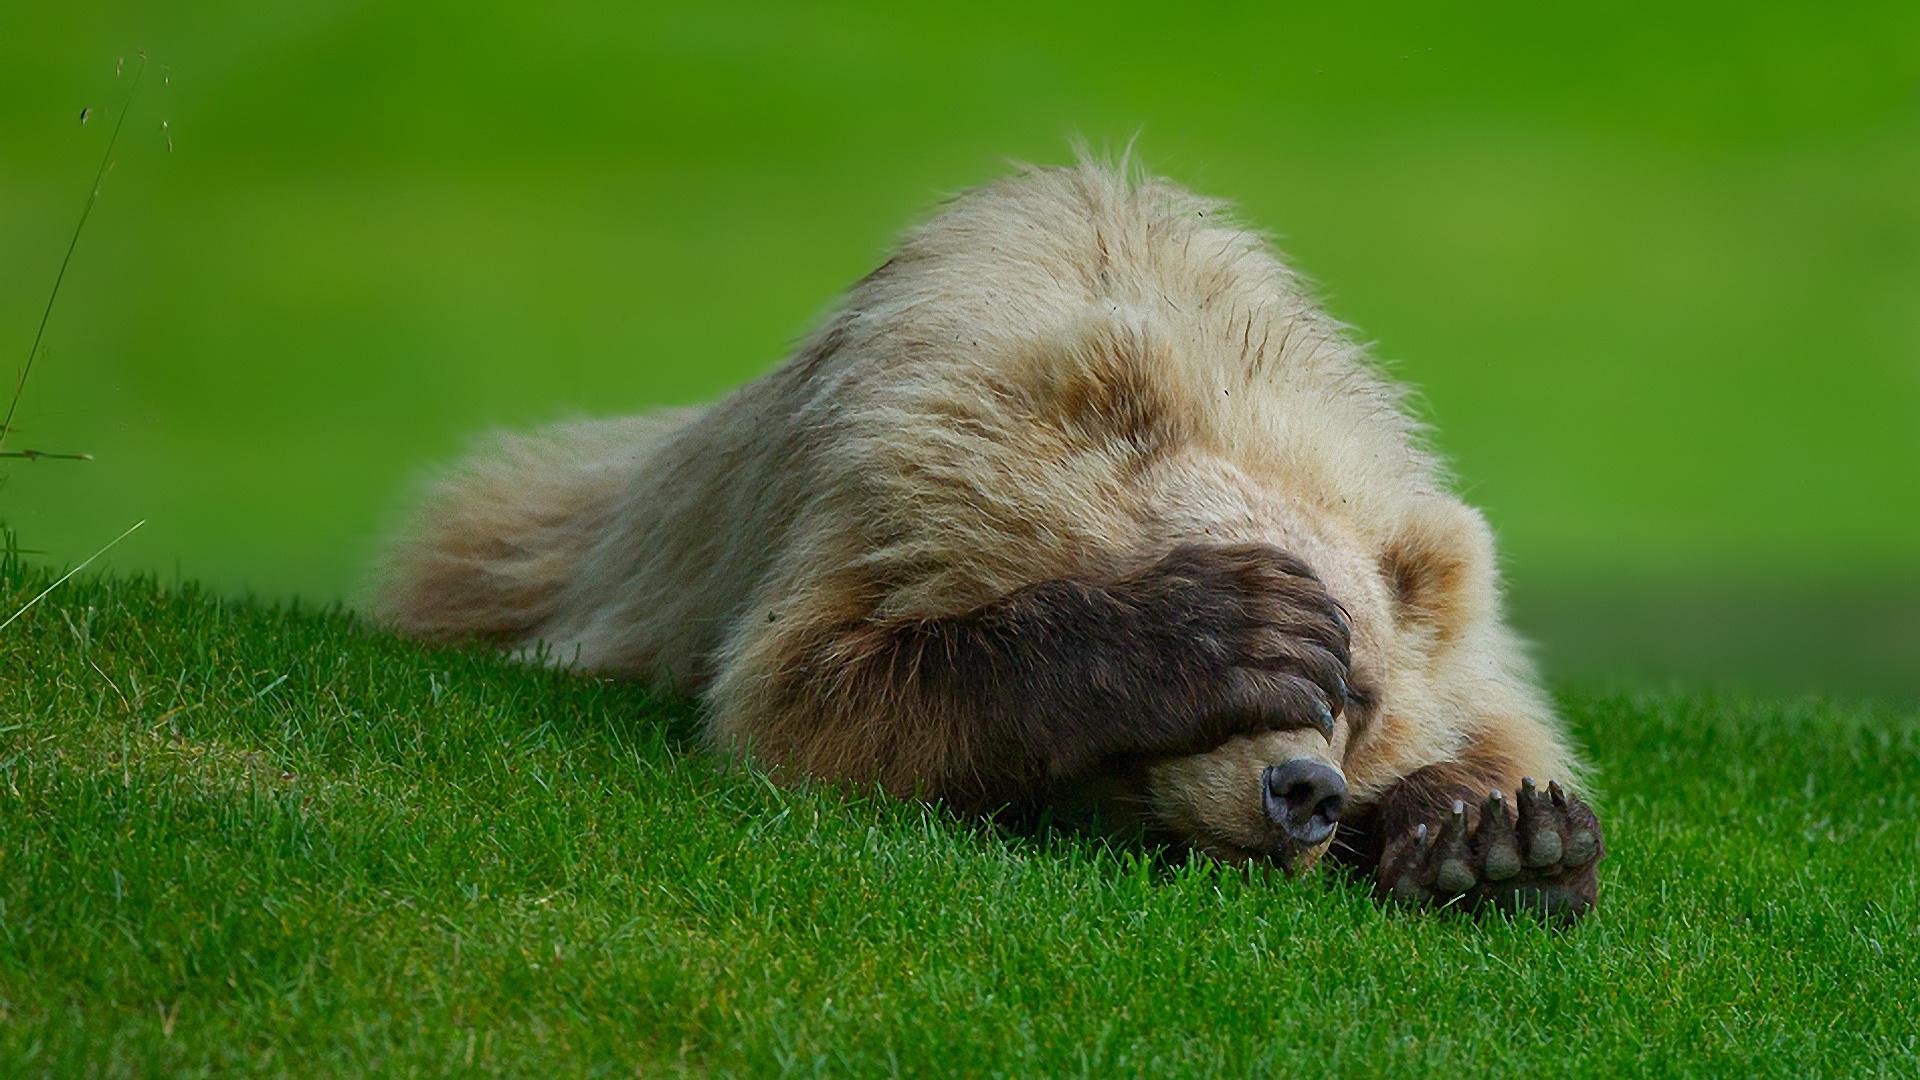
1540, 854
1273, 644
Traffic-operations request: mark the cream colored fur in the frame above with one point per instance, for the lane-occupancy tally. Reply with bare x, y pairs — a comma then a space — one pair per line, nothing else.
1067, 371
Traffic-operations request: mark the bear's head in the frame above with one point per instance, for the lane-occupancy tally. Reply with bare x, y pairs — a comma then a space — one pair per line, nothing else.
1420, 596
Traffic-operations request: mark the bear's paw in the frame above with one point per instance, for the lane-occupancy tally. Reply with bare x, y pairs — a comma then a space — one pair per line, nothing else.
1540, 854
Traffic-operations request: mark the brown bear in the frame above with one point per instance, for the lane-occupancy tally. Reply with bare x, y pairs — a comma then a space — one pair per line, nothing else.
1078, 500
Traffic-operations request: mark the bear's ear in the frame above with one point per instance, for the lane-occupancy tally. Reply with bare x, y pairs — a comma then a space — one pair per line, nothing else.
1439, 566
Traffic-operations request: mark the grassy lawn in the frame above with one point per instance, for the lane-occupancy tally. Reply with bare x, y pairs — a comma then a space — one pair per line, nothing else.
243, 840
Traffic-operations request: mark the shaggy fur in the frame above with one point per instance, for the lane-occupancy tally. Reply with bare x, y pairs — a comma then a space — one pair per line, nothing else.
927, 551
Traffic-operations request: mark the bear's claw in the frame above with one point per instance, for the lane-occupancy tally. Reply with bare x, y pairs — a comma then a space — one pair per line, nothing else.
1455, 874
1496, 845
1540, 855
1536, 826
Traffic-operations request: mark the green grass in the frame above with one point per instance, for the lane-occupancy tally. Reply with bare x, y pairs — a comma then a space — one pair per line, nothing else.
235, 839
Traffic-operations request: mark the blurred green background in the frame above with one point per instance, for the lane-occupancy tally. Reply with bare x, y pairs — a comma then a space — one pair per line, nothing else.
1655, 268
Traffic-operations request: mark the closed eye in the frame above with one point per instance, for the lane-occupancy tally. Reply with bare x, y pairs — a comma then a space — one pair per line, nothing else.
1362, 710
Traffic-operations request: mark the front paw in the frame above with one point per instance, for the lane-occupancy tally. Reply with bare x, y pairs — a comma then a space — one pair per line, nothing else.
1541, 854
1273, 645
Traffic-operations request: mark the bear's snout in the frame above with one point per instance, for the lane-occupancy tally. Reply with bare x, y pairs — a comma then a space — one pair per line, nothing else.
1304, 798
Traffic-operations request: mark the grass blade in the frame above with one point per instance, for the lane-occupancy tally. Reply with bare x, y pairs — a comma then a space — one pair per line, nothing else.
70, 573
93, 196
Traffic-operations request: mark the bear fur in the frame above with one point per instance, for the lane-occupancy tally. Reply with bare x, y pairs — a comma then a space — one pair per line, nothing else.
1079, 501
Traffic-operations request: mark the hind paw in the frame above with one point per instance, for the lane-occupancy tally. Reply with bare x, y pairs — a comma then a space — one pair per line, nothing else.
1540, 854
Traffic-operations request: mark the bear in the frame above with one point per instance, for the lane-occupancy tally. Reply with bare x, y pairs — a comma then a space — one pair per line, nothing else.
1078, 504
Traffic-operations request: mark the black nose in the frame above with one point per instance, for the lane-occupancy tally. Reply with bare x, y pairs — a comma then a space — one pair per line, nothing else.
1304, 797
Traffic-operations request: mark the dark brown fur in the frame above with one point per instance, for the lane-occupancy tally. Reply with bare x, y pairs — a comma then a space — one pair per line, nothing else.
1049, 683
